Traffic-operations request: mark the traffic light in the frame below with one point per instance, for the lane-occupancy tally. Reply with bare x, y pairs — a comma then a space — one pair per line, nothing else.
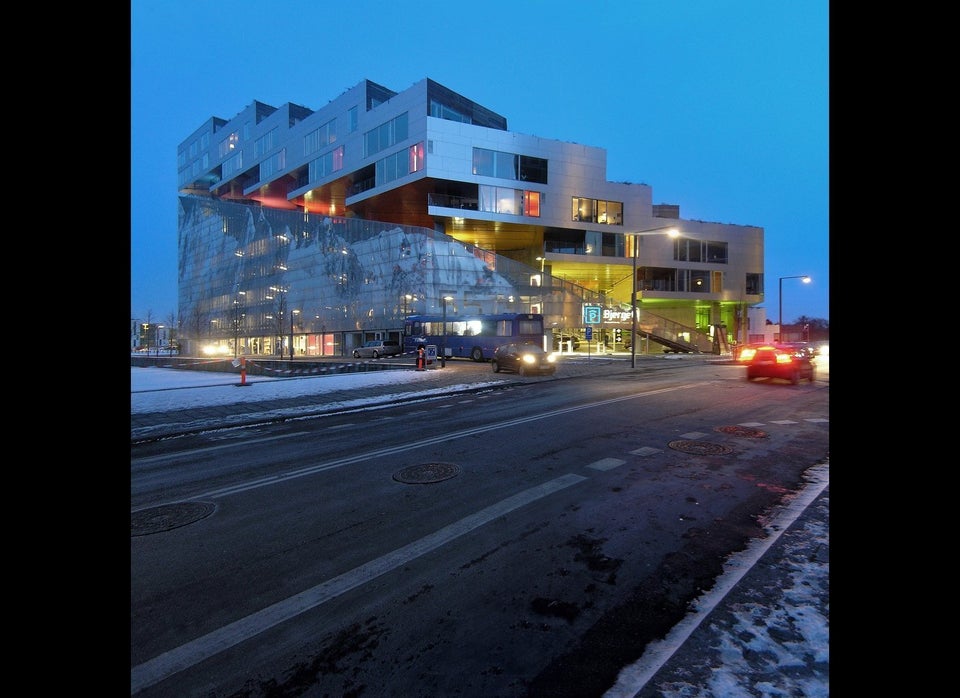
618, 335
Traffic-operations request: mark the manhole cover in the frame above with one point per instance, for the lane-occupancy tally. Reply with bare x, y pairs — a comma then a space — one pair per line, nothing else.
427, 472
167, 517
700, 448
748, 432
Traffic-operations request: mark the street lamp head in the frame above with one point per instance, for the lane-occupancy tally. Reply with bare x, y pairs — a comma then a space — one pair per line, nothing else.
806, 279
668, 230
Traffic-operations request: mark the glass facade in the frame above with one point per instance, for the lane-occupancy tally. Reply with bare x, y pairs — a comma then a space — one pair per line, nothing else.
253, 279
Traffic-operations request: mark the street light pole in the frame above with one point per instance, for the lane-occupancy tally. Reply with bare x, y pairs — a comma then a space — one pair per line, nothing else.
237, 320
541, 260
292, 312
443, 338
280, 325
633, 308
668, 230
806, 280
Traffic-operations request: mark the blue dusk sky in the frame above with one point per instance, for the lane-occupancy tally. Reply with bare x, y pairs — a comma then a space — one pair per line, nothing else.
721, 106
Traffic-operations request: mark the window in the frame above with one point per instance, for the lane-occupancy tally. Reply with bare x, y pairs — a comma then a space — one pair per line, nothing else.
392, 167
505, 165
594, 242
612, 245
442, 111
321, 137
326, 165
265, 143
232, 165
416, 157
533, 169
699, 281
483, 162
596, 211
565, 241
689, 250
229, 144
584, 209
506, 200
657, 279
717, 252
274, 163
531, 203
385, 135
497, 163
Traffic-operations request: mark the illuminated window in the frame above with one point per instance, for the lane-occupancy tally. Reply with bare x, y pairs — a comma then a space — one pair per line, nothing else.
531, 203
416, 157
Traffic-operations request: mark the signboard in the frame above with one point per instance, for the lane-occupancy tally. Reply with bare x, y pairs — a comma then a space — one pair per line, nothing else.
588, 332
592, 314
432, 355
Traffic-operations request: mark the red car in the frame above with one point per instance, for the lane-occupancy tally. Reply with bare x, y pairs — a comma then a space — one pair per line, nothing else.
789, 361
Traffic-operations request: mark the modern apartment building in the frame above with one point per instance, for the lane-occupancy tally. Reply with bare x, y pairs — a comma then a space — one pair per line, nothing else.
316, 230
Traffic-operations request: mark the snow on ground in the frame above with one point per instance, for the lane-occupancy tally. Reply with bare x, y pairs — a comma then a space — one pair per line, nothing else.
155, 389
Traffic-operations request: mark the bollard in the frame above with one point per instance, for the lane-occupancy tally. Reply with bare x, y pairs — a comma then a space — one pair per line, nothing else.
421, 360
243, 372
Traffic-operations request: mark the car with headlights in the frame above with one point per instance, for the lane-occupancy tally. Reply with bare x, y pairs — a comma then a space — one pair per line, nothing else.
524, 359
376, 348
790, 361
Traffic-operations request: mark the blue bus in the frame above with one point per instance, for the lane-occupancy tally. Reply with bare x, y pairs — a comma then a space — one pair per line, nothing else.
471, 336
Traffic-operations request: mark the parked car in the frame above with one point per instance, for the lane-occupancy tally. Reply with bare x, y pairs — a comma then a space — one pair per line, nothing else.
790, 361
562, 339
376, 348
524, 359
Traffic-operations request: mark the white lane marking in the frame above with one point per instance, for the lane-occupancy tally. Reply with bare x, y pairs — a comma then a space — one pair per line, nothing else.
645, 451
207, 449
633, 678
693, 435
165, 665
401, 448
606, 464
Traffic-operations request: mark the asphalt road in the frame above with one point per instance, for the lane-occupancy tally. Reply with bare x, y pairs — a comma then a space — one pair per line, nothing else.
514, 497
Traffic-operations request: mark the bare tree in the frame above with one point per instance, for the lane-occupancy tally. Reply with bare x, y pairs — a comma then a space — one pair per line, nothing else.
173, 337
